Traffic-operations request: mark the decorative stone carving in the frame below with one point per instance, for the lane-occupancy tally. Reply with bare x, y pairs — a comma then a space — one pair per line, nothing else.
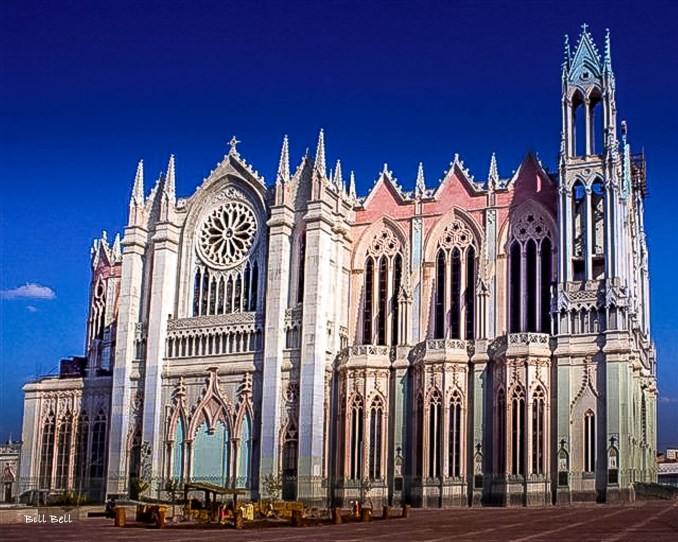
456, 234
227, 235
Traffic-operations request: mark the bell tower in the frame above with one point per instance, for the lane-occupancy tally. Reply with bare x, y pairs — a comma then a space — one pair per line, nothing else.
589, 164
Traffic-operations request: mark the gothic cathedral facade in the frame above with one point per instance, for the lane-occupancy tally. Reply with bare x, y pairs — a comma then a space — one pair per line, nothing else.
480, 342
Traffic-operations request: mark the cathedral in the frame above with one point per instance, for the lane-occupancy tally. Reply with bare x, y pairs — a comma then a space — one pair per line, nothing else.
477, 342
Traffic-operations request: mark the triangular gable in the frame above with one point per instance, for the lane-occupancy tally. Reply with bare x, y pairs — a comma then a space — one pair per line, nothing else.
385, 187
531, 176
586, 60
455, 178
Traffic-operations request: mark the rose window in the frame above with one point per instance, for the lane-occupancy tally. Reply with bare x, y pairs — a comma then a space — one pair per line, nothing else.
227, 234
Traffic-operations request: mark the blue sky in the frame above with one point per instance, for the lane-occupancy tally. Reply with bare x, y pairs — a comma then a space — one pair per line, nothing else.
89, 88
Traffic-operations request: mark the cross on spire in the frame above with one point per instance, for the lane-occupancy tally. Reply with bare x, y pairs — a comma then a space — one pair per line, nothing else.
233, 142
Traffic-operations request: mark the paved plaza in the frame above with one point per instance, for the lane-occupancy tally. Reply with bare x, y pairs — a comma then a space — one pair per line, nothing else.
639, 522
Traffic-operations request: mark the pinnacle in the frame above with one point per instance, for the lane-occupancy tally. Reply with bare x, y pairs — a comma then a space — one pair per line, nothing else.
170, 180
351, 188
338, 177
420, 185
320, 154
138, 187
284, 165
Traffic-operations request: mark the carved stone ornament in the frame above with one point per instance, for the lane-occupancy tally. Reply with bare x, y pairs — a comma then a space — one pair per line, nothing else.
456, 234
385, 242
530, 226
227, 234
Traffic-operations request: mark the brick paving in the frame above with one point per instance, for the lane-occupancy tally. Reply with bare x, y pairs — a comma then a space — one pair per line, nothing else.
643, 521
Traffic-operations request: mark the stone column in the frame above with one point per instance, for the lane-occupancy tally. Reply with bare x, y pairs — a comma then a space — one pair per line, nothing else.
314, 349
162, 306
277, 293
134, 247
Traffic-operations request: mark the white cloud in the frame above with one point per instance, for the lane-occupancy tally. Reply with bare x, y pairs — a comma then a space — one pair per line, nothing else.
665, 399
31, 308
30, 290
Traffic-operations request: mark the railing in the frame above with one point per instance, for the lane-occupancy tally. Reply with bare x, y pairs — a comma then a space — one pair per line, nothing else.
214, 335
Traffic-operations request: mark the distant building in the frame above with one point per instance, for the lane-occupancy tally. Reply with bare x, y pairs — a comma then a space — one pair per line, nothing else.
10, 458
476, 342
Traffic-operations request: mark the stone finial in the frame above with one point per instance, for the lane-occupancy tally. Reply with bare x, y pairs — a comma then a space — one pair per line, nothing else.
115, 250
170, 186
320, 165
493, 176
338, 177
284, 165
138, 187
420, 185
351, 188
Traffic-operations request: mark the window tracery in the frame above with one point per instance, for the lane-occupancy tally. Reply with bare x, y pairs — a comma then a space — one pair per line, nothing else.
383, 282
376, 438
538, 434
227, 235
517, 432
456, 274
355, 468
454, 443
530, 275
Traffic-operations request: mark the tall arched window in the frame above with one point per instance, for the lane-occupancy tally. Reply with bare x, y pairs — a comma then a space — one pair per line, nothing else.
501, 431
178, 451
64, 452
211, 454
589, 441
245, 452
289, 462
579, 229
301, 268
97, 470
454, 292
382, 309
516, 287
47, 452
225, 256
546, 274
355, 468
395, 304
419, 469
598, 228
530, 271
454, 442
538, 435
518, 432
434, 435
376, 439
440, 296
470, 296
383, 277
81, 451
369, 296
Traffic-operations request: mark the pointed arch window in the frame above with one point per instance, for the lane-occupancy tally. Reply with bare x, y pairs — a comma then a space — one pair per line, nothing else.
355, 468
419, 470
47, 451
440, 296
434, 435
178, 451
211, 454
301, 268
454, 292
589, 441
376, 439
529, 275
289, 462
538, 434
81, 451
518, 432
598, 229
245, 452
64, 452
454, 443
97, 469
578, 233
501, 431
369, 295
383, 277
